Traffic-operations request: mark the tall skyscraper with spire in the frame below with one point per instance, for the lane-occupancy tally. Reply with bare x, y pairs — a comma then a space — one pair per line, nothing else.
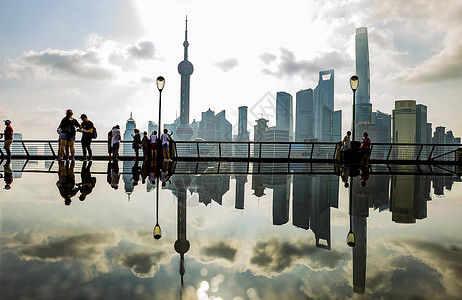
184, 131
363, 98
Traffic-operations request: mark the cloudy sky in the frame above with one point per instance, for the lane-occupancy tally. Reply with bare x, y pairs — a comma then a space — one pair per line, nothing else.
102, 57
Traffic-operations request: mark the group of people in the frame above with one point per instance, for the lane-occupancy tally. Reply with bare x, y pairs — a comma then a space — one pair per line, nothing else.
149, 145
364, 152
67, 131
69, 126
364, 148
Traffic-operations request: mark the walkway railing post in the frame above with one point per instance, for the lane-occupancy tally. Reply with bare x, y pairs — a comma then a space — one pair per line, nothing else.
25, 149
52, 151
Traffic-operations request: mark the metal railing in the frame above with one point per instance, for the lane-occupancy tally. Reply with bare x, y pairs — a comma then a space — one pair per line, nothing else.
254, 151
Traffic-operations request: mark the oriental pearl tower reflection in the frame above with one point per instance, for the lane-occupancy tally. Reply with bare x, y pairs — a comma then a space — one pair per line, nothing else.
181, 244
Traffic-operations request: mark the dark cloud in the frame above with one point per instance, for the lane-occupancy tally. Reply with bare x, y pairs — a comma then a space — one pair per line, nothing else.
290, 66
84, 246
446, 66
219, 250
448, 257
142, 264
267, 58
227, 64
142, 50
275, 256
77, 63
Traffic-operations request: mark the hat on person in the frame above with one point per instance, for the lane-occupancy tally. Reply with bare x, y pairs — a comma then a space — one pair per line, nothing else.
82, 116
69, 111
117, 126
7, 122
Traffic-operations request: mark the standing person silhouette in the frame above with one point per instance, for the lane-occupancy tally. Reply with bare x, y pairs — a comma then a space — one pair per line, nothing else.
136, 144
365, 148
87, 135
8, 135
145, 145
165, 138
116, 142
68, 125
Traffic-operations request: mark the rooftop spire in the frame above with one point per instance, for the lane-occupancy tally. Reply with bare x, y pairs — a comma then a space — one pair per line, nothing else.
186, 44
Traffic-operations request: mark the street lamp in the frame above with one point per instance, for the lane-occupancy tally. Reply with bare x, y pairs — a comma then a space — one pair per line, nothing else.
354, 82
351, 239
160, 86
157, 232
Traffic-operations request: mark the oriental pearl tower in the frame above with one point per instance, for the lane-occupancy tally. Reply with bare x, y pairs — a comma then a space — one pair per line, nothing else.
184, 131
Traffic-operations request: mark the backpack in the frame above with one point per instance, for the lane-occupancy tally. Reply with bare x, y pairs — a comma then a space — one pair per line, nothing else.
94, 133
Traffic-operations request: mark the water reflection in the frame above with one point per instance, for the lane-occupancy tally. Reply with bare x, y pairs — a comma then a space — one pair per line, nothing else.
66, 181
291, 242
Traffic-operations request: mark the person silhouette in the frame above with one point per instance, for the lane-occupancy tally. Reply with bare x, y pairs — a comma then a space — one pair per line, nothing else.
66, 181
8, 175
115, 176
135, 173
88, 182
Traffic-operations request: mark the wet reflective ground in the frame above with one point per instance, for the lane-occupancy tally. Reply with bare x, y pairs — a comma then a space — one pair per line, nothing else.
257, 236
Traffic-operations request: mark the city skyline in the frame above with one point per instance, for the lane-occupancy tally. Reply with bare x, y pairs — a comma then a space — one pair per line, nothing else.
106, 70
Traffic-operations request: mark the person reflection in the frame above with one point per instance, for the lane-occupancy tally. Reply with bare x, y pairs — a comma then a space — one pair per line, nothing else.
165, 173
144, 171
345, 173
8, 175
153, 172
135, 173
88, 182
364, 175
66, 181
113, 175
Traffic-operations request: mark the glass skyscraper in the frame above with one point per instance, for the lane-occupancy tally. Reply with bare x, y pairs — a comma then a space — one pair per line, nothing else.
363, 107
285, 113
304, 123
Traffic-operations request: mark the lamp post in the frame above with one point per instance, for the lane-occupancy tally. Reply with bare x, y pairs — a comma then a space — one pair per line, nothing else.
351, 239
160, 86
157, 232
354, 82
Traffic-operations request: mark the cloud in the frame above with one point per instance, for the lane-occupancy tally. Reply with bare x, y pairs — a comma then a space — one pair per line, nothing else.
142, 264
275, 256
77, 63
446, 65
85, 246
142, 50
267, 58
288, 65
227, 64
219, 250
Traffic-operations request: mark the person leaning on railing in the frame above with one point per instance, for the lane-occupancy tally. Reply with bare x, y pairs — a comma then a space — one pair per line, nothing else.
8, 134
365, 149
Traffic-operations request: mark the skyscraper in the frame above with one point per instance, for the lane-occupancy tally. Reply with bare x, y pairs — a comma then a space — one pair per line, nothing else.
363, 107
215, 127
151, 127
242, 133
404, 126
284, 113
421, 124
184, 131
129, 126
304, 125
362, 66
323, 105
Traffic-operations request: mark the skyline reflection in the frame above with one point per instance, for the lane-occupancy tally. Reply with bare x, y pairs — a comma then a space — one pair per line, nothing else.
287, 226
